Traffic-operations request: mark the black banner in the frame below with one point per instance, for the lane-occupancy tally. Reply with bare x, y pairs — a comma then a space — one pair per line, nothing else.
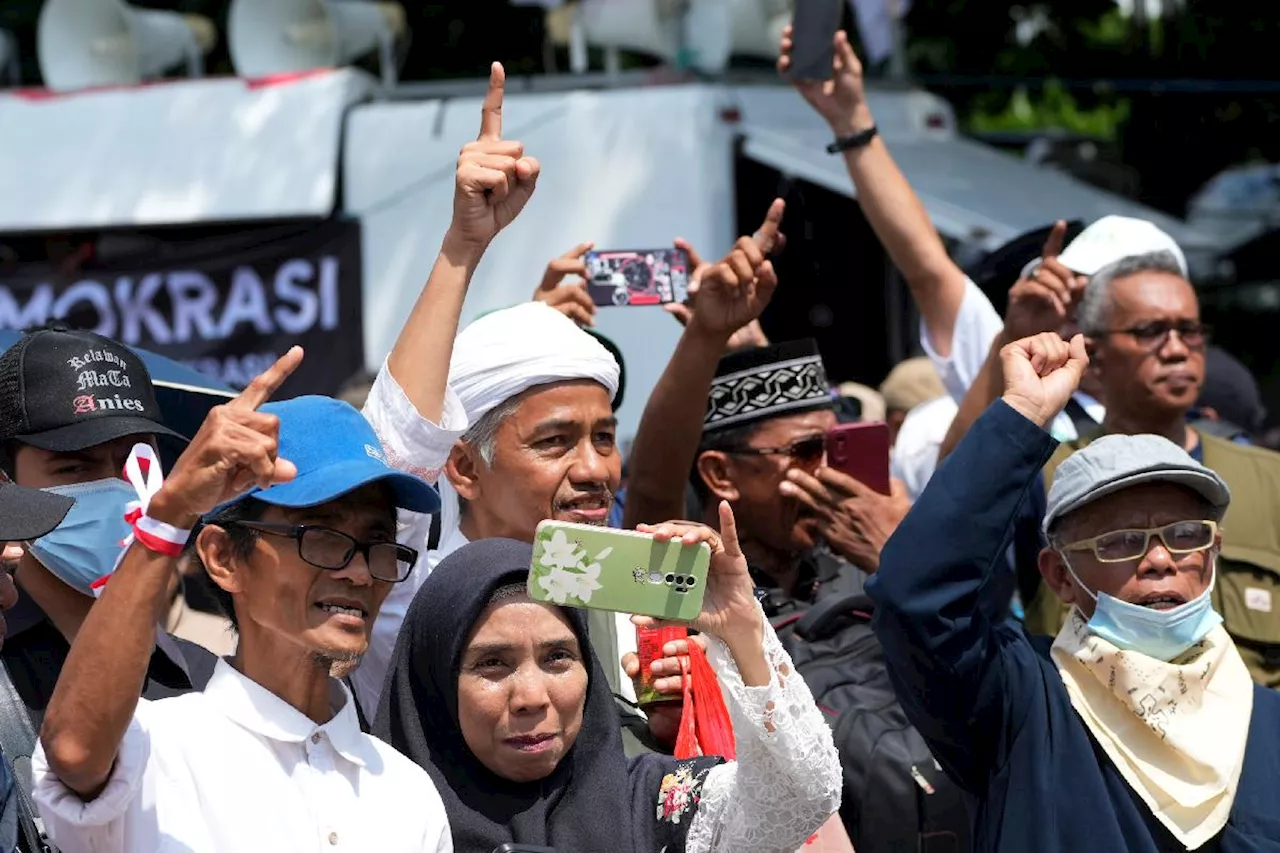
227, 304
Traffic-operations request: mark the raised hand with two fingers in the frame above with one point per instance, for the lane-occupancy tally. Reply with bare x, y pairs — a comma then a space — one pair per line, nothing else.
234, 451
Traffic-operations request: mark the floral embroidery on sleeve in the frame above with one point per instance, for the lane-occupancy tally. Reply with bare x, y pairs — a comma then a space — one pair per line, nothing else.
680, 792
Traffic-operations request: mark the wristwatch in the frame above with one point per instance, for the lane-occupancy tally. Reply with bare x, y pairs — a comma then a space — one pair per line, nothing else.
853, 141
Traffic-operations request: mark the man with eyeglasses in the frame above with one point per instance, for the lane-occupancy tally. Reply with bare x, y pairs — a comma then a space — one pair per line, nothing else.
293, 508
1137, 728
1141, 320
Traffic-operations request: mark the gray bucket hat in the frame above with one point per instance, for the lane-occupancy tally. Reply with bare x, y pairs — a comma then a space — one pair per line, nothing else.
1116, 462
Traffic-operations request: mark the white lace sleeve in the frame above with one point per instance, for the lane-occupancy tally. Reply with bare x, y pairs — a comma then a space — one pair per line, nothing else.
786, 781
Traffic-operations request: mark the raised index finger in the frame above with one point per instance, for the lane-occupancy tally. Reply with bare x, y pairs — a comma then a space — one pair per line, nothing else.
767, 235
267, 383
1053, 245
491, 112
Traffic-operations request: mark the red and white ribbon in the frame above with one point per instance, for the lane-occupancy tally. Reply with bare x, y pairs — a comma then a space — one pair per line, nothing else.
142, 470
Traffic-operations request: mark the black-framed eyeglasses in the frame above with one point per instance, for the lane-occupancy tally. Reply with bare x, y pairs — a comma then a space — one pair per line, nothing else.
805, 450
326, 548
1155, 335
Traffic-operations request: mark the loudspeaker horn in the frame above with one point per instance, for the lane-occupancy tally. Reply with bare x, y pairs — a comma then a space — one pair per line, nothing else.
83, 43
286, 36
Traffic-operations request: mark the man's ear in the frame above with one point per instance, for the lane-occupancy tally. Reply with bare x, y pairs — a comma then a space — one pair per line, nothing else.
1053, 569
1093, 347
216, 552
716, 470
463, 469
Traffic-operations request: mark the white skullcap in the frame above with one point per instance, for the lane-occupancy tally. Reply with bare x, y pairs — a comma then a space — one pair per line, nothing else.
507, 352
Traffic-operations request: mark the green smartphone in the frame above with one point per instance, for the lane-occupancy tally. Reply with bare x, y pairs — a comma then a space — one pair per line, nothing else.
600, 568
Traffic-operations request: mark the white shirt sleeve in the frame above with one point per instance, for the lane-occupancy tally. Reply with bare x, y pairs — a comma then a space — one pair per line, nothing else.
117, 820
977, 325
419, 447
786, 782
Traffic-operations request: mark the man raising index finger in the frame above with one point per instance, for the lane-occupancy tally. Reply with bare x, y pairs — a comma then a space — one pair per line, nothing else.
302, 562
534, 389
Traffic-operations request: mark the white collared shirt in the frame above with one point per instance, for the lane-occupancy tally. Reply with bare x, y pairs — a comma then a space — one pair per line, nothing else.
238, 769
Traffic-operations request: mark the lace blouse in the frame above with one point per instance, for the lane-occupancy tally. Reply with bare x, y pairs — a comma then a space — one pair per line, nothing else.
786, 781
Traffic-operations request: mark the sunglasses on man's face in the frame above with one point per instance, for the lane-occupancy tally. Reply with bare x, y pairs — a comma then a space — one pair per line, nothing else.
805, 451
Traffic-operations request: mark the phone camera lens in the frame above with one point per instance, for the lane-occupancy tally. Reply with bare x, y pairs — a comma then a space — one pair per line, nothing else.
691, 581
671, 578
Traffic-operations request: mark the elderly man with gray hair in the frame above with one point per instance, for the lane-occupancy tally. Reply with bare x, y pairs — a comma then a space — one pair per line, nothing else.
1141, 324
1137, 728
1146, 342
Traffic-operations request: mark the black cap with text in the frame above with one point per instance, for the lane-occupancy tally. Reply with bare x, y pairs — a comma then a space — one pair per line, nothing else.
65, 390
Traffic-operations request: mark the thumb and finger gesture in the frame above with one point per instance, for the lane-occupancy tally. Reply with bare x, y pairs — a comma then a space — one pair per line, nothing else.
495, 179
235, 448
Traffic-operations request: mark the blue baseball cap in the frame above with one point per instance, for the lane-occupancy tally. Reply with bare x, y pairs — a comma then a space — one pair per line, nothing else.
336, 451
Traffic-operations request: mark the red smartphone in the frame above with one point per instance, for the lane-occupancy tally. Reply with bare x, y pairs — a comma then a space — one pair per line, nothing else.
862, 451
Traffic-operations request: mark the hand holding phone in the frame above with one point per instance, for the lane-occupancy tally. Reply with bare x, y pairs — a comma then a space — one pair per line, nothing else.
624, 571
620, 277
813, 32
861, 450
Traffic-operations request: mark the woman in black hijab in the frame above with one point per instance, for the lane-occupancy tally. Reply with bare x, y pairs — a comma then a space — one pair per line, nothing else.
502, 701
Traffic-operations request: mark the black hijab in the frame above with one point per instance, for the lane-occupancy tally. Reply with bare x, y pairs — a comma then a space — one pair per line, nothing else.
594, 801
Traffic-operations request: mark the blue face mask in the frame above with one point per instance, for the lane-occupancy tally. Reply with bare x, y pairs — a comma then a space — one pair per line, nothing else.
84, 548
1159, 634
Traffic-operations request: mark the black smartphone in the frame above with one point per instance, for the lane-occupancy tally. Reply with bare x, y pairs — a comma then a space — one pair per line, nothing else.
524, 848
813, 32
638, 277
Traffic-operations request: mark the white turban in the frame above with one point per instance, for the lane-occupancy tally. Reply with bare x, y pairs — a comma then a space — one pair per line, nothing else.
510, 351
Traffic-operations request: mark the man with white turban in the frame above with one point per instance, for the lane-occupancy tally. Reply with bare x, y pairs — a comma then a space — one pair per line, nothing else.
537, 392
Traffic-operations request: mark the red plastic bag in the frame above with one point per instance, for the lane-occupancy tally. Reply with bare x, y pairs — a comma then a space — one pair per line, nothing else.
705, 726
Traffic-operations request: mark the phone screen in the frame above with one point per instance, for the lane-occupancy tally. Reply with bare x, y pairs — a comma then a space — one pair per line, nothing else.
813, 32
862, 451
638, 276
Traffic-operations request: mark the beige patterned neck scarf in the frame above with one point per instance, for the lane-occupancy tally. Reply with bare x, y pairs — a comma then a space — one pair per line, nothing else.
1176, 731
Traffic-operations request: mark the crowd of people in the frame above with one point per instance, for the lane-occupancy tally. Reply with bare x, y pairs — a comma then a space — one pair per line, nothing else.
1053, 631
